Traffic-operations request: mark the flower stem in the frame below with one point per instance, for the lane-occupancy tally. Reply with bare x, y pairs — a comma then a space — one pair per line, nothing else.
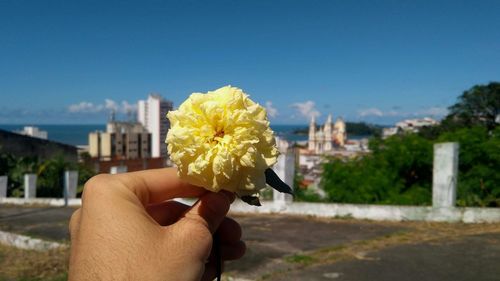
218, 260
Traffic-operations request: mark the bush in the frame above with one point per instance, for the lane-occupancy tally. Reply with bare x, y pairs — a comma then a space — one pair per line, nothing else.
399, 171
479, 165
50, 173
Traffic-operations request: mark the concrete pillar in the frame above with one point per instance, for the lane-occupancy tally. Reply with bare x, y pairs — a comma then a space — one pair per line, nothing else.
29, 186
70, 185
3, 186
118, 169
285, 169
445, 174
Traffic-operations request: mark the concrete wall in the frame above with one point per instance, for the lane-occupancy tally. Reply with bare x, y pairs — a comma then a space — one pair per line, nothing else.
285, 169
375, 212
3, 186
57, 202
443, 209
445, 174
327, 210
26, 242
30, 186
22, 146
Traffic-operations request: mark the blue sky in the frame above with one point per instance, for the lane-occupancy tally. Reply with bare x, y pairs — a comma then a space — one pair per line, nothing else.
376, 61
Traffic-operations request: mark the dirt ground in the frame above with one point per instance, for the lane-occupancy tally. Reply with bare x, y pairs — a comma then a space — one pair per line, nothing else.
297, 248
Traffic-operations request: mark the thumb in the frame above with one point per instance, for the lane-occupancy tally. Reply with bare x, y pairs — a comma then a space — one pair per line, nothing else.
210, 210
195, 229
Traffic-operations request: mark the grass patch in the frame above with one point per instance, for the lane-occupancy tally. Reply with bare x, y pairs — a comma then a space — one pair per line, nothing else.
29, 265
301, 259
61, 277
344, 217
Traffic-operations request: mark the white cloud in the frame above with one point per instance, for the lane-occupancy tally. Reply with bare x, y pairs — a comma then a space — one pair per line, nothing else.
271, 111
109, 104
84, 106
370, 112
431, 111
306, 109
127, 107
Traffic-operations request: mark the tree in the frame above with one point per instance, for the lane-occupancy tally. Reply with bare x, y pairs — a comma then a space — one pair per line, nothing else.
399, 171
50, 181
15, 168
480, 105
85, 172
479, 161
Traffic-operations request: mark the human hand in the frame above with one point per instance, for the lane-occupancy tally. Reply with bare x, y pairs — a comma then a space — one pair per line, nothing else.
126, 230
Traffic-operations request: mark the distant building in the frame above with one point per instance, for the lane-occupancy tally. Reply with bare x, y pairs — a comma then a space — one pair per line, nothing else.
25, 146
152, 114
359, 145
122, 140
308, 160
328, 137
409, 126
33, 132
387, 132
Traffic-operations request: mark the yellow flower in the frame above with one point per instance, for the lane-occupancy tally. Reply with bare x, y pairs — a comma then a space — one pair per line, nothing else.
222, 140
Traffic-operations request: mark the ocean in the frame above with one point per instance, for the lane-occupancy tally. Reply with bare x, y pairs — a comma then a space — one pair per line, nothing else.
78, 134
68, 134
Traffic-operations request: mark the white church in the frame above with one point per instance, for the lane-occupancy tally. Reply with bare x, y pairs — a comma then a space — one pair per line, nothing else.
328, 137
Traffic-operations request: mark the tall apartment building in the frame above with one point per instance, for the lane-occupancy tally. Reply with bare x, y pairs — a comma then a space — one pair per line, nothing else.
122, 140
152, 114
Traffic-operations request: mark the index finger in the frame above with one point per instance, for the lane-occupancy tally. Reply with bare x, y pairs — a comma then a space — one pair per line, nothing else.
158, 185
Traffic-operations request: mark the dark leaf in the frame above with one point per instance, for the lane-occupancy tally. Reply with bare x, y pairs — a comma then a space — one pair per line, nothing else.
275, 182
251, 200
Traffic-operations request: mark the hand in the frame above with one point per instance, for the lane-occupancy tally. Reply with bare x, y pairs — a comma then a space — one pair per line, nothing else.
126, 230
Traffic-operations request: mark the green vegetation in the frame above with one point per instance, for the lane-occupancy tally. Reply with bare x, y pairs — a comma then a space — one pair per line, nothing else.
478, 106
50, 174
399, 170
29, 265
363, 129
302, 194
302, 259
479, 165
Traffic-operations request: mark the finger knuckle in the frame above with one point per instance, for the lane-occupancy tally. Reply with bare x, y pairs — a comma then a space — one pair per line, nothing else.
94, 185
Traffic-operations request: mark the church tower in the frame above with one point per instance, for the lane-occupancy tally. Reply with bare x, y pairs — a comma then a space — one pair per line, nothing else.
328, 131
339, 132
312, 134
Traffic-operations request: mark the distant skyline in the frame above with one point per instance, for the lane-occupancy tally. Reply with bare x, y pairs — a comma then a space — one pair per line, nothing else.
70, 62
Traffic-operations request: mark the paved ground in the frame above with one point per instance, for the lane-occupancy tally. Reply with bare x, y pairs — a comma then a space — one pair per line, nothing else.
474, 257
305, 248
50, 223
270, 238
